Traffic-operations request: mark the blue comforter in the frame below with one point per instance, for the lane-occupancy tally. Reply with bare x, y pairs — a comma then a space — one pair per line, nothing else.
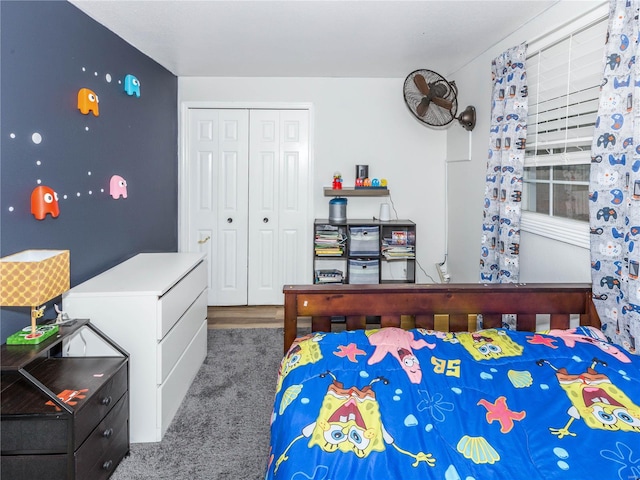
419, 404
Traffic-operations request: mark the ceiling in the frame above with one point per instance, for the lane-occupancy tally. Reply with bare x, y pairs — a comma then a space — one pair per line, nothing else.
312, 38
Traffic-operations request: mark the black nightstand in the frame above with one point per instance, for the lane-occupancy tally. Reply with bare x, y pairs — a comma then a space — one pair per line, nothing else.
63, 417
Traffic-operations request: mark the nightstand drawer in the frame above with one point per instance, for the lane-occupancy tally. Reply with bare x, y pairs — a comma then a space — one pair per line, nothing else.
100, 404
176, 301
106, 445
50, 467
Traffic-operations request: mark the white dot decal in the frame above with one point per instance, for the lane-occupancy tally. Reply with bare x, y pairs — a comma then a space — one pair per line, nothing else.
12, 135
11, 209
88, 173
107, 77
38, 162
38, 181
78, 194
86, 129
36, 138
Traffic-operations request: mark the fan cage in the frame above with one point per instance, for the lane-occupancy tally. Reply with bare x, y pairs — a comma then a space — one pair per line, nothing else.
435, 116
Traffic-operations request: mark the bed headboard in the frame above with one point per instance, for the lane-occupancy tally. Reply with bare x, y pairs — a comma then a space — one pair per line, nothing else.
428, 303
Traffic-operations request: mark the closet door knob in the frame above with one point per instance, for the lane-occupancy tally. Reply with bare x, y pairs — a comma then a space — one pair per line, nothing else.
229, 220
265, 220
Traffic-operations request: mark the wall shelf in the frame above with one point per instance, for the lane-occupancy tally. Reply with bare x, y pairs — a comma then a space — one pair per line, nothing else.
356, 192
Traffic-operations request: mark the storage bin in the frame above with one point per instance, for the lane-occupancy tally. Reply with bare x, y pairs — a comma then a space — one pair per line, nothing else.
364, 241
363, 272
338, 210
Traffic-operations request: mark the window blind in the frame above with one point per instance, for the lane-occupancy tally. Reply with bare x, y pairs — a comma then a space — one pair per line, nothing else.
563, 90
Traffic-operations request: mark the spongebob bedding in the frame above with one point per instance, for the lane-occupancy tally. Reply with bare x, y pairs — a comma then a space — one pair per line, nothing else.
493, 404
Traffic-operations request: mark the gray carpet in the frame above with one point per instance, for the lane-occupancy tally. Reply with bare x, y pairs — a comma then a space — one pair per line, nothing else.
221, 430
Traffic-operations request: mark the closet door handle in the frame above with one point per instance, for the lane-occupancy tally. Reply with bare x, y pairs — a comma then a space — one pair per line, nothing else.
265, 220
229, 220
204, 240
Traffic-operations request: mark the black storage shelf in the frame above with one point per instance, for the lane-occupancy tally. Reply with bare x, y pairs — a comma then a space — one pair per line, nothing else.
355, 265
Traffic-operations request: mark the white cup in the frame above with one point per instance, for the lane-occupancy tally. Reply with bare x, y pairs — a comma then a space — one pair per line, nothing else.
384, 212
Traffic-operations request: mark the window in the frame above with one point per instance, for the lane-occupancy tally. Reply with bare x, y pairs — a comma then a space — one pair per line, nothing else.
564, 73
558, 191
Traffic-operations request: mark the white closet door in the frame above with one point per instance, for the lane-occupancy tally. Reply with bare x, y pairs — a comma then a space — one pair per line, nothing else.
278, 203
218, 199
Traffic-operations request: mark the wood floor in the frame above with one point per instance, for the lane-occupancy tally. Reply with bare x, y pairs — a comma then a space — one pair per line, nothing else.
265, 316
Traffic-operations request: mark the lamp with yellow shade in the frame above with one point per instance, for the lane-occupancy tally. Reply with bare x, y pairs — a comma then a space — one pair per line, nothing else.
29, 279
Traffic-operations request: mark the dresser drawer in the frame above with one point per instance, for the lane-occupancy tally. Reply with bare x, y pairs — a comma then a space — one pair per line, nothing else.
106, 445
177, 340
176, 386
172, 305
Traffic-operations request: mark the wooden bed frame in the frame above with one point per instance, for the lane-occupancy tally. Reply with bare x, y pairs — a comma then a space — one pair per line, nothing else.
431, 305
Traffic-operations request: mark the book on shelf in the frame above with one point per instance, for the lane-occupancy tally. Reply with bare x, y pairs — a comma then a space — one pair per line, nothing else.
330, 252
329, 276
399, 237
398, 256
391, 252
329, 243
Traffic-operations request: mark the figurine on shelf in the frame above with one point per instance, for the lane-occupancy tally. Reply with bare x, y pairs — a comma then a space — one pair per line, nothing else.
337, 181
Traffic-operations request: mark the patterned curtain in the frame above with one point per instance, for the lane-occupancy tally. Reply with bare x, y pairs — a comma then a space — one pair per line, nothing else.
499, 258
614, 187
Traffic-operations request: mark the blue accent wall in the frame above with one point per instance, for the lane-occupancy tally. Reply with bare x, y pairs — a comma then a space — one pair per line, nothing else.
49, 51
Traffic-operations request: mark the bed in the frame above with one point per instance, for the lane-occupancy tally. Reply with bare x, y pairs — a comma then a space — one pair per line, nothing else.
438, 399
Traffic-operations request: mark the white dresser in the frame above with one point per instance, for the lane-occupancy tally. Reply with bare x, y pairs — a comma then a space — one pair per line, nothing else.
153, 305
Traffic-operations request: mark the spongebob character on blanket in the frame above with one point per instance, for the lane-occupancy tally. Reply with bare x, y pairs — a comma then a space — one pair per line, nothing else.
595, 399
349, 422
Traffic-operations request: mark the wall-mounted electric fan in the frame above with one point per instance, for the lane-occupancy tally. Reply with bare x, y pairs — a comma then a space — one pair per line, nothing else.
434, 100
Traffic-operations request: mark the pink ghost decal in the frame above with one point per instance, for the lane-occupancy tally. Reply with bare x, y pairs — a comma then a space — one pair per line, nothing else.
570, 337
88, 102
44, 200
118, 187
400, 344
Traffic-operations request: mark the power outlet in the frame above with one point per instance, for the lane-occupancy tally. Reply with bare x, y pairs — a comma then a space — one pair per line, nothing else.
443, 272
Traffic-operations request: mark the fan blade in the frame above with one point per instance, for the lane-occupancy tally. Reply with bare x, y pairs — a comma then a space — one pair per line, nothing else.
421, 83
423, 106
441, 102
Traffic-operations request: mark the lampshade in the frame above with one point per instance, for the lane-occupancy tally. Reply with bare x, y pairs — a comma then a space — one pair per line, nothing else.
31, 278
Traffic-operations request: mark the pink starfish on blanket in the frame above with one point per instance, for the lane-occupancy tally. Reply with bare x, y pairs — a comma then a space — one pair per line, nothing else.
570, 337
400, 344
540, 340
499, 411
350, 351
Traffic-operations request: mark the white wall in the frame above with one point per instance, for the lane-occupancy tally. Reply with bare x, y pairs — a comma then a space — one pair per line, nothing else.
356, 121
541, 259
